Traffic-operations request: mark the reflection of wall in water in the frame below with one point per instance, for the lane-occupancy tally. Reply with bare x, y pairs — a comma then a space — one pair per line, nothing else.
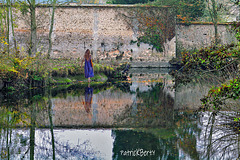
144, 79
105, 106
188, 96
153, 98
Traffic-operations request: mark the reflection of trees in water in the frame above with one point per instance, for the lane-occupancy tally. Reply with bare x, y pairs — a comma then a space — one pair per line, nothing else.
32, 143
123, 86
194, 136
208, 135
187, 130
156, 104
218, 138
78, 89
19, 146
155, 107
63, 150
210, 138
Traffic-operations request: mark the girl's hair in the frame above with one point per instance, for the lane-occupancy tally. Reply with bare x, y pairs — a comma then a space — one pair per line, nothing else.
87, 55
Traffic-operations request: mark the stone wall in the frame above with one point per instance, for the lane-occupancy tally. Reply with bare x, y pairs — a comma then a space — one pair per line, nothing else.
196, 36
107, 30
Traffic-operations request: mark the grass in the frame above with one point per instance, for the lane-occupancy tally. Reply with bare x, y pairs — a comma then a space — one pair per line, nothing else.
52, 71
98, 77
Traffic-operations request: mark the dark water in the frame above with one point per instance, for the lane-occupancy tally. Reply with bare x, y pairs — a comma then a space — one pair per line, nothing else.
141, 118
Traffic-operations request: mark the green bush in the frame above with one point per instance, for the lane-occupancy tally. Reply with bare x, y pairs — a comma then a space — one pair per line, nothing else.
214, 57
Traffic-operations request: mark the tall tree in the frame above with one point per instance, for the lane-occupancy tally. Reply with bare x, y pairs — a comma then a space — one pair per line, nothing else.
51, 27
212, 7
33, 39
3, 24
12, 27
8, 25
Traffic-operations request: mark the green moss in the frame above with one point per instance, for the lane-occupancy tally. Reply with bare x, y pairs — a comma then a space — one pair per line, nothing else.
60, 80
99, 77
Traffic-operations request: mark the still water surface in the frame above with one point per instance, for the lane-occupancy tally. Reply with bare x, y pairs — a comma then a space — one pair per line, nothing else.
141, 118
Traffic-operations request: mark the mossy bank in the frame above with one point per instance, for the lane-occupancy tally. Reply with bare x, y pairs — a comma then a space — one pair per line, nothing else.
26, 73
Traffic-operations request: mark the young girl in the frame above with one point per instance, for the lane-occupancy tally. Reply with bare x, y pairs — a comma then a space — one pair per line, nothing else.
88, 67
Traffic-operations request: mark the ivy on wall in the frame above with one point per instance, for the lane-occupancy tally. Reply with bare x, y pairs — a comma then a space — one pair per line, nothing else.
152, 25
190, 10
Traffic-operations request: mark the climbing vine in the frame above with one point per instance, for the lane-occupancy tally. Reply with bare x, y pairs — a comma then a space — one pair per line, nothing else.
152, 25
209, 58
190, 10
215, 60
218, 95
152, 31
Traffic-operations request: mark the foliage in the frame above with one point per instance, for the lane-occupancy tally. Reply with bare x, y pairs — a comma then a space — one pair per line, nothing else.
153, 33
3, 42
190, 10
214, 57
217, 95
38, 70
154, 25
13, 67
10, 117
17, 69
236, 28
154, 29
186, 10
24, 8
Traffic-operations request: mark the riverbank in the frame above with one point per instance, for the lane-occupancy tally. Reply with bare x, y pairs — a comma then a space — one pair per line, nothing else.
218, 65
29, 72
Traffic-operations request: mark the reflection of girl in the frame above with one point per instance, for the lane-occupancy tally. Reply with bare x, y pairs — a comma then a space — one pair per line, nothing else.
88, 98
88, 67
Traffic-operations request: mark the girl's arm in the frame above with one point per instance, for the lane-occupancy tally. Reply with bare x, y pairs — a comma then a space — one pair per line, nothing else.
91, 62
82, 63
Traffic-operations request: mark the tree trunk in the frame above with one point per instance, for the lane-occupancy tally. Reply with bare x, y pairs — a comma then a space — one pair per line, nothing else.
215, 21
213, 15
14, 39
51, 28
1, 18
8, 26
33, 40
32, 130
50, 114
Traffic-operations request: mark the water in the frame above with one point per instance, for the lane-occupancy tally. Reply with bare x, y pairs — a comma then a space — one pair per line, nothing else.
142, 118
